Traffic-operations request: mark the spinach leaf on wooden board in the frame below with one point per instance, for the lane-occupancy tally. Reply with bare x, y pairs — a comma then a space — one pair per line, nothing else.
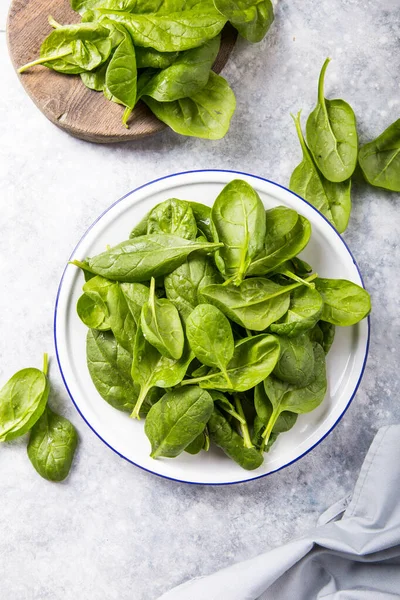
253, 360
304, 311
287, 234
173, 216
109, 366
96, 79
177, 419
345, 302
206, 114
141, 258
252, 18
184, 284
152, 369
224, 435
52, 444
296, 361
287, 397
173, 32
380, 159
332, 135
333, 200
121, 75
210, 337
238, 220
254, 304
22, 401
148, 57
161, 325
186, 76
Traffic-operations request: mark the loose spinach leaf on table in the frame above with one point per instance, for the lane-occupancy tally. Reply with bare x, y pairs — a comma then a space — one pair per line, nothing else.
224, 435
22, 401
152, 369
173, 32
52, 444
109, 366
141, 258
206, 114
254, 304
237, 220
161, 325
252, 18
253, 360
186, 76
287, 234
185, 283
345, 302
174, 217
296, 361
287, 397
210, 337
177, 419
304, 311
332, 135
333, 200
380, 159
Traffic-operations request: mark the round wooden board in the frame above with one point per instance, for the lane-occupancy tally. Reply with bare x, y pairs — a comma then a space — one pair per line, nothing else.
63, 98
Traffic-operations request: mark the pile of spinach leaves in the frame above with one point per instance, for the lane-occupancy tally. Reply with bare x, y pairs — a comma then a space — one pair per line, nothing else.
330, 157
157, 51
207, 324
23, 408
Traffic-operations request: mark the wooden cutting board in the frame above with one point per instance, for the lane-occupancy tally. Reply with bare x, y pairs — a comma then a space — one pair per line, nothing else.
63, 98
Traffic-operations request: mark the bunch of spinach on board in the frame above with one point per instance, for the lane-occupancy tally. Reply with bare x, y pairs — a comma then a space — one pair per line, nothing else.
23, 407
159, 51
330, 156
207, 324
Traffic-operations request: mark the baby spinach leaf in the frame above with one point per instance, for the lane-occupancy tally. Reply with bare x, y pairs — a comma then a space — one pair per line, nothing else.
148, 57
206, 114
120, 318
121, 75
296, 361
52, 445
333, 200
96, 79
22, 401
150, 368
109, 366
252, 18
161, 325
263, 406
287, 397
332, 135
202, 214
254, 304
177, 419
287, 234
136, 294
172, 32
197, 445
186, 76
380, 159
328, 335
223, 435
92, 314
345, 302
141, 258
253, 360
174, 217
238, 220
140, 228
184, 284
152, 397
304, 311
226, 406
210, 337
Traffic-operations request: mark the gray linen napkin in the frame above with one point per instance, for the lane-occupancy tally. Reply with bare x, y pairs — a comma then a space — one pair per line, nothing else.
353, 553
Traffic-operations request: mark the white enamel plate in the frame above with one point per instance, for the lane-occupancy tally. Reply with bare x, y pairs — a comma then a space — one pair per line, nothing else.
329, 256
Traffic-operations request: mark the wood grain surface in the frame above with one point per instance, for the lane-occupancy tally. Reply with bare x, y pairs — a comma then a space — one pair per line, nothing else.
64, 99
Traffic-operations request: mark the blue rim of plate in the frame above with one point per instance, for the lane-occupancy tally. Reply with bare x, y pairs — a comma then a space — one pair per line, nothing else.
55, 327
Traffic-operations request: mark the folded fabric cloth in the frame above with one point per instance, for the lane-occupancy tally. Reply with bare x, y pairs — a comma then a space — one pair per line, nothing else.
353, 553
